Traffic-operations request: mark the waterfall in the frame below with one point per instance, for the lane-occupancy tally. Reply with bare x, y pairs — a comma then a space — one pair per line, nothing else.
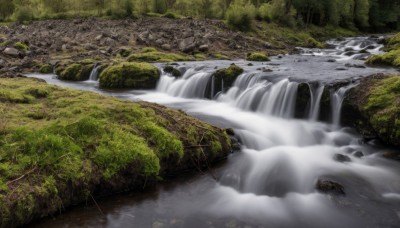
337, 98
192, 84
316, 95
94, 75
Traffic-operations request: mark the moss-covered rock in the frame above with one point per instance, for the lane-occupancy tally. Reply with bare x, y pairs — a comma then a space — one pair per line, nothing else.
377, 102
74, 72
46, 69
256, 56
172, 70
223, 78
392, 57
130, 75
85, 145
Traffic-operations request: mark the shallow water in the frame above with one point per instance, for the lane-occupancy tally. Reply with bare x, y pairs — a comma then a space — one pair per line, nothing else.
271, 181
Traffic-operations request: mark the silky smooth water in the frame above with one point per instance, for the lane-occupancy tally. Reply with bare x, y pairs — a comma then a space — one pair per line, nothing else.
271, 181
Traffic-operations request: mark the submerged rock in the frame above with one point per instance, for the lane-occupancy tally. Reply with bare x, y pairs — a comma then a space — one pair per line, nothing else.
341, 158
330, 187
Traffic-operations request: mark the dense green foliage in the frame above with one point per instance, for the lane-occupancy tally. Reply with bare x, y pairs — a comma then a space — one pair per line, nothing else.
130, 75
383, 108
58, 146
376, 14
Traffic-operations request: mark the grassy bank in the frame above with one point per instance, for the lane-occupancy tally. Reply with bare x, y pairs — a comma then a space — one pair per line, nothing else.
60, 147
391, 57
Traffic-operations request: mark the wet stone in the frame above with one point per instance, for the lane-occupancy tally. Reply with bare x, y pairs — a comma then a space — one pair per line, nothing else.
341, 158
358, 154
330, 187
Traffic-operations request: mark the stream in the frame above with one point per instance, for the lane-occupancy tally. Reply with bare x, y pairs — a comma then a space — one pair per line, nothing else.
271, 181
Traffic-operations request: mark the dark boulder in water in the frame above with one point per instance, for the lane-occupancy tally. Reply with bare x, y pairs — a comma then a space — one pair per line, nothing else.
330, 187
341, 158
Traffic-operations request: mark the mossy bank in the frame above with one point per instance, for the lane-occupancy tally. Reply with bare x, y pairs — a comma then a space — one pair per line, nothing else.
373, 107
60, 147
391, 57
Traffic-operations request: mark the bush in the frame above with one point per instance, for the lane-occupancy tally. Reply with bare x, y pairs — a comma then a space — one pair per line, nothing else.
264, 12
256, 56
130, 75
24, 13
240, 15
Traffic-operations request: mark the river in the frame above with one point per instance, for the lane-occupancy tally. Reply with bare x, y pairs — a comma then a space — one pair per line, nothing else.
271, 181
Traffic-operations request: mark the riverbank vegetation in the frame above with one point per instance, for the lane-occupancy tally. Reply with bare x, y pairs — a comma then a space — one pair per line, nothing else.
60, 147
391, 57
371, 15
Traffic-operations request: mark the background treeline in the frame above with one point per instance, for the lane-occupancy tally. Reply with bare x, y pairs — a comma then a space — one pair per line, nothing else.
364, 14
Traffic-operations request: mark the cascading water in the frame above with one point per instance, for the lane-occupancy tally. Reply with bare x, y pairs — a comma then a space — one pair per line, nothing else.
336, 103
316, 95
94, 75
272, 181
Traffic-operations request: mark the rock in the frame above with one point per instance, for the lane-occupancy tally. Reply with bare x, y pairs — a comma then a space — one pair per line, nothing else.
392, 155
358, 154
187, 45
2, 63
98, 38
166, 46
230, 131
330, 187
341, 158
204, 48
341, 68
331, 60
11, 52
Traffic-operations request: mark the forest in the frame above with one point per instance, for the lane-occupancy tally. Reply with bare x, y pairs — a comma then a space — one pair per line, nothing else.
365, 15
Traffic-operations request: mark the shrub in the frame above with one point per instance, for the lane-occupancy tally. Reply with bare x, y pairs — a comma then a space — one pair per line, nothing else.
24, 13
264, 12
130, 75
240, 15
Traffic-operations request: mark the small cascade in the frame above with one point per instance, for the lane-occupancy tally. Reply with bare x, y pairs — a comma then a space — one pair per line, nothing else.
192, 84
337, 99
94, 75
316, 95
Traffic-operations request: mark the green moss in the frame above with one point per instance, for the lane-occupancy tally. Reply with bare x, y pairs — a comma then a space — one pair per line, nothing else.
130, 75
75, 72
156, 56
228, 75
220, 56
63, 143
383, 107
394, 42
200, 57
149, 49
391, 58
46, 69
171, 15
21, 46
256, 56
88, 61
